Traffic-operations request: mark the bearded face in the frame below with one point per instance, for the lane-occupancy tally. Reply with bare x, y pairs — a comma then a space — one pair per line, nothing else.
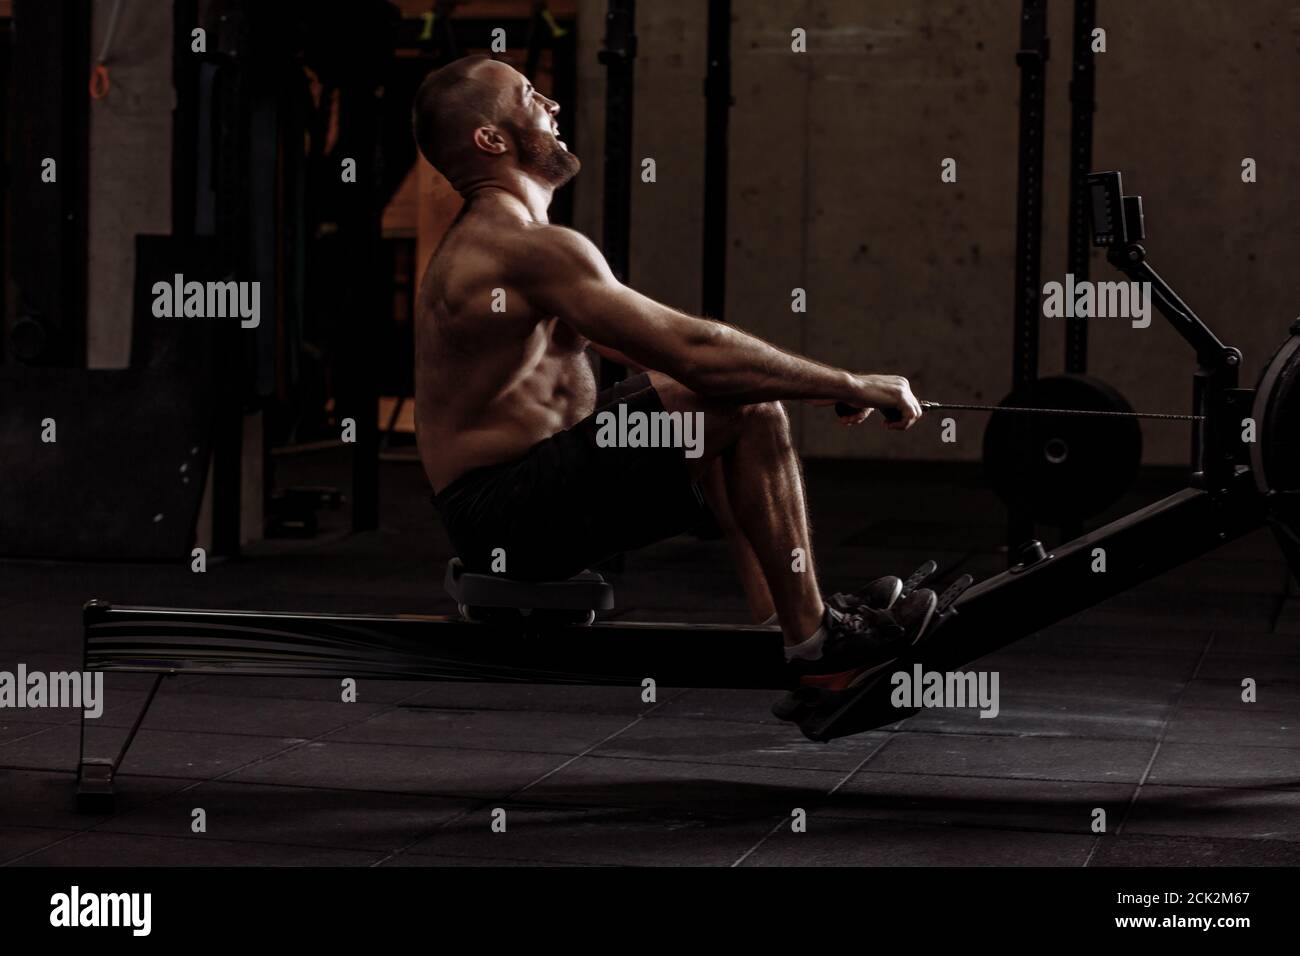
543, 155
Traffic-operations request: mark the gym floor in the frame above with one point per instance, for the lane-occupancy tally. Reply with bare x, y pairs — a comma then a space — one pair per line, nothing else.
1133, 707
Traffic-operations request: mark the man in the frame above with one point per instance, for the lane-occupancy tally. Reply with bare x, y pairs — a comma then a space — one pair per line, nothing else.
506, 400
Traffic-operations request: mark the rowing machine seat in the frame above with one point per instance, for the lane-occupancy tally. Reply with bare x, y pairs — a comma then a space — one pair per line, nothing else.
587, 591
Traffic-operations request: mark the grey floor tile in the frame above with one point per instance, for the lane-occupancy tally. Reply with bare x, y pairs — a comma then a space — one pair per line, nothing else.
1263, 574
742, 706
1247, 643
1225, 694
309, 688
124, 849
1061, 806
449, 772
257, 716
1043, 758
1244, 725
1088, 639
432, 862
1233, 666
256, 813
16, 842
1202, 765
1256, 546
605, 836
11, 730
773, 744
32, 798
536, 698
1193, 610
1044, 714
1017, 663
1142, 850
485, 730
1229, 813
154, 752
705, 788
1158, 686
838, 841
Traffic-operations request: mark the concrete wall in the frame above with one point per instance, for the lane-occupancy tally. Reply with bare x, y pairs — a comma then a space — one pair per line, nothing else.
835, 188
130, 167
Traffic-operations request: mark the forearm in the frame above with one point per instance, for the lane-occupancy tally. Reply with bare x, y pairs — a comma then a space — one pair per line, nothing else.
615, 356
729, 364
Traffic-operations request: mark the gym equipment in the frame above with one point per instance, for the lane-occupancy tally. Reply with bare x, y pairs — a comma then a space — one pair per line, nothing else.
1031, 58
1082, 106
542, 26
1056, 467
525, 648
489, 597
618, 56
125, 477
892, 415
1235, 487
1063, 467
717, 116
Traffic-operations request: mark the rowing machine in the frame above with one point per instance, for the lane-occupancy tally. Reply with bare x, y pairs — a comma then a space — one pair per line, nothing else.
1235, 488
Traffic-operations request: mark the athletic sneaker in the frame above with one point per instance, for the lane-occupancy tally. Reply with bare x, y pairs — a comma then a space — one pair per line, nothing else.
864, 641
879, 594
883, 592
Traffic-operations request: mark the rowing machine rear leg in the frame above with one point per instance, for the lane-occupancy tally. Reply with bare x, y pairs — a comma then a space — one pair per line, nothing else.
95, 774
95, 786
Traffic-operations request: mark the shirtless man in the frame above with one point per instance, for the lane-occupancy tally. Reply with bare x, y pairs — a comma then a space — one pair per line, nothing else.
506, 397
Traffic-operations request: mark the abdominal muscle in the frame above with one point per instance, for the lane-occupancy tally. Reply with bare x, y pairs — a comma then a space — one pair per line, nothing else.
473, 414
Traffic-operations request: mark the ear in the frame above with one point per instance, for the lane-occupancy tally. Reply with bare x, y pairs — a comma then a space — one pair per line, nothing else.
489, 139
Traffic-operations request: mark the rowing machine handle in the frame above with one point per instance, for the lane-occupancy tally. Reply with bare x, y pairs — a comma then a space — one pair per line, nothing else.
845, 409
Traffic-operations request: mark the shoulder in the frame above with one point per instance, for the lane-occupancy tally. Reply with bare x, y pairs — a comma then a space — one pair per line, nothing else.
546, 252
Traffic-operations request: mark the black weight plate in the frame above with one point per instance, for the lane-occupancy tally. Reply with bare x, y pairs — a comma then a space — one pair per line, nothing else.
1062, 468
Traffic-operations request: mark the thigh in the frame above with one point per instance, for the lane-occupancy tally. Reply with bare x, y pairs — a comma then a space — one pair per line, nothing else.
722, 421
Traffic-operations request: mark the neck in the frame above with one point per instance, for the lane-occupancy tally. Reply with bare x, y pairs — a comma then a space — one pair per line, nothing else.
531, 197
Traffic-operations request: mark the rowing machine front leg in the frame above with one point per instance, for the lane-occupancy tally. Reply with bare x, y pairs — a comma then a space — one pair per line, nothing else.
1048, 586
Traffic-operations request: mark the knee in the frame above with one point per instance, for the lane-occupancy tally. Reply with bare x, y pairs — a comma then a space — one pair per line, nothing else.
768, 418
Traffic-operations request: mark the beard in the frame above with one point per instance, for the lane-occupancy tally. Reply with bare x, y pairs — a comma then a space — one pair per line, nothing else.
543, 157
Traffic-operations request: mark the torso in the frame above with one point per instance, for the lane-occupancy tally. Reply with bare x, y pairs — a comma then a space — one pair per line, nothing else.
489, 384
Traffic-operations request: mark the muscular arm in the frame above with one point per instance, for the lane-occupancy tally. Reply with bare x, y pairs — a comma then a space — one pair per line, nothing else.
615, 356
566, 276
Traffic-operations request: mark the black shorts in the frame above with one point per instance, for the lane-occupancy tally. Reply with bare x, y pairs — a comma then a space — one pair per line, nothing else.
568, 503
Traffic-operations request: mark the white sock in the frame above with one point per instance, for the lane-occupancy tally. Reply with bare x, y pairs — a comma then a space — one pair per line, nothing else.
809, 650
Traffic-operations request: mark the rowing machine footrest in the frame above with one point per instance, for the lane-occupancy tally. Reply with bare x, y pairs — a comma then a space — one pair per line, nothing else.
587, 591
